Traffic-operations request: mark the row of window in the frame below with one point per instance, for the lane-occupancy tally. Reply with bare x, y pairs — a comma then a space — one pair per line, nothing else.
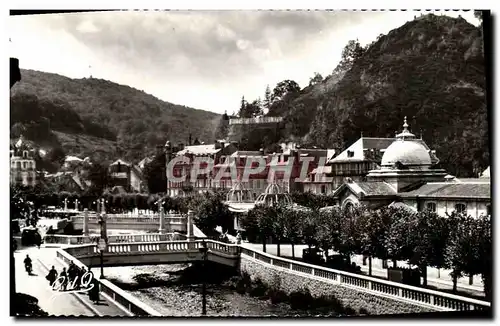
25, 154
23, 165
459, 208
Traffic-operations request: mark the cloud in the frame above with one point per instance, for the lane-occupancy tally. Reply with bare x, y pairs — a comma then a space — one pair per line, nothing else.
205, 59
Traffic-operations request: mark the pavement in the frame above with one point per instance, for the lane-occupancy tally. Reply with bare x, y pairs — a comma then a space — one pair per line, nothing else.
56, 303
436, 278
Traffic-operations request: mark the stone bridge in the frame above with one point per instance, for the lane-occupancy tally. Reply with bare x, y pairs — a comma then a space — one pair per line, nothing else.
352, 289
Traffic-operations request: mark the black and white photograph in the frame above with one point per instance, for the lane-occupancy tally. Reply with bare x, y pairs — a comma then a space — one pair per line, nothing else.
250, 163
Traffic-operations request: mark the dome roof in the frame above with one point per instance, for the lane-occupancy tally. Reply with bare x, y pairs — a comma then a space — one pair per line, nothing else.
406, 150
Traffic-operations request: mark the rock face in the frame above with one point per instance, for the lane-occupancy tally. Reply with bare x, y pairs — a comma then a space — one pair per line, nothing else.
430, 69
288, 282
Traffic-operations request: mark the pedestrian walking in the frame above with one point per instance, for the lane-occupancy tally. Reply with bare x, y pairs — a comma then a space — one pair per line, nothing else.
94, 291
64, 277
52, 276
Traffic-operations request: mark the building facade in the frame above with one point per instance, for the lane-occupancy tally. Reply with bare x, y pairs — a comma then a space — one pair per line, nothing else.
408, 176
22, 164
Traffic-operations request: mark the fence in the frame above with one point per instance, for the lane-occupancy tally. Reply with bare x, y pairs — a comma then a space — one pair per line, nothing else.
439, 300
134, 306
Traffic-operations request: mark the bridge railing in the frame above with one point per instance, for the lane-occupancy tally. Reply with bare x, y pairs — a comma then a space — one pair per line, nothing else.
81, 239
169, 219
133, 306
439, 300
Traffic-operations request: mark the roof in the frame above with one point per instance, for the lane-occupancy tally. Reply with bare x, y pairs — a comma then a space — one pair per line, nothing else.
408, 152
376, 143
378, 188
73, 158
451, 190
322, 170
486, 173
199, 150
144, 161
121, 162
247, 154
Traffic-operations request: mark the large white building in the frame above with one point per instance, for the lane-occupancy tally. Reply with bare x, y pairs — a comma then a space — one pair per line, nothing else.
408, 176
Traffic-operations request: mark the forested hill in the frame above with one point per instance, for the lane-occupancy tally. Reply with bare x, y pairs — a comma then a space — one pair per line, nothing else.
99, 118
430, 69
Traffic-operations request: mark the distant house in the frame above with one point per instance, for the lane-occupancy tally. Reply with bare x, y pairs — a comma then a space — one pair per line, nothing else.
66, 181
126, 175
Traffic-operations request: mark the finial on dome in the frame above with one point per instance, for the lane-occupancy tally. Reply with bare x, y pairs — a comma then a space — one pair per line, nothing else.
405, 126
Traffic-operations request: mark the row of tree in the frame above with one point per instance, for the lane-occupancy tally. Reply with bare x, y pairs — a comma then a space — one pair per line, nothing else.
457, 242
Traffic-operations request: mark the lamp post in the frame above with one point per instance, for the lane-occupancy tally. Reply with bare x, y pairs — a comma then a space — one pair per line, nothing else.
65, 204
102, 245
204, 251
76, 204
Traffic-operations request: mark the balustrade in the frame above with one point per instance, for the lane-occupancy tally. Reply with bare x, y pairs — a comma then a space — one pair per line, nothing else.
437, 299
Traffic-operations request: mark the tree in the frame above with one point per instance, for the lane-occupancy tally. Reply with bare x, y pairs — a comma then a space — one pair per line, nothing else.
155, 174
485, 254
284, 88
316, 79
264, 222
352, 52
210, 212
279, 224
430, 237
99, 178
56, 155
374, 228
459, 249
350, 234
222, 130
309, 222
242, 112
399, 241
293, 226
268, 100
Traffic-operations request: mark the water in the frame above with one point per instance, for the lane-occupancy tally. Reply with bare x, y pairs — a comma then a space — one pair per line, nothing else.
159, 287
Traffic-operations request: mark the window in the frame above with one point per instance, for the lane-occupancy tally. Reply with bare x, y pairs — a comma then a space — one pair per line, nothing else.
25, 154
323, 189
460, 208
431, 207
350, 153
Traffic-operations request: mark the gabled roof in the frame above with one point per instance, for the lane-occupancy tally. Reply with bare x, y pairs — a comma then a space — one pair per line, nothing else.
367, 189
247, 154
451, 190
199, 150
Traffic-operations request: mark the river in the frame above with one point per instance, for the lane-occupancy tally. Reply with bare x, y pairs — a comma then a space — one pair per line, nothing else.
160, 287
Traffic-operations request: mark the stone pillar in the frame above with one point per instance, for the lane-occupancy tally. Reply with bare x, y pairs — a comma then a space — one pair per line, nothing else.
85, 222
65, 204
162, 221
189, 226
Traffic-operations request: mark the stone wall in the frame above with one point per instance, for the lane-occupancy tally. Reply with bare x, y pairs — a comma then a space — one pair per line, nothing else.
355, 299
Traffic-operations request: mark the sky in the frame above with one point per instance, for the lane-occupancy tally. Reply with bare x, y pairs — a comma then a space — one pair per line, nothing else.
202, 59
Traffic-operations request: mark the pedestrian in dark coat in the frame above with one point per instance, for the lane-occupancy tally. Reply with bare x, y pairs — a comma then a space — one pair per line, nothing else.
52, 276
38, 239
64, 283
94, 292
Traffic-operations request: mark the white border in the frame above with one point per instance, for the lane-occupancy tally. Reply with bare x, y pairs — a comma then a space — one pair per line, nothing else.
193, 4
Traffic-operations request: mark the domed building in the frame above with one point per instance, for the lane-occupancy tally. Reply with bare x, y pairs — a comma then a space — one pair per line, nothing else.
407, 177
406, 163
274, 195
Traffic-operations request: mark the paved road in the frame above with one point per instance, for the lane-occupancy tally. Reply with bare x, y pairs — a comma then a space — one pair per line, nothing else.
65, 304
37, 286
435, 277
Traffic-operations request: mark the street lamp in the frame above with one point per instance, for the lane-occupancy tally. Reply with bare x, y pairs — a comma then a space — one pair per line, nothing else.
76, 204
102, 244
204, 251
